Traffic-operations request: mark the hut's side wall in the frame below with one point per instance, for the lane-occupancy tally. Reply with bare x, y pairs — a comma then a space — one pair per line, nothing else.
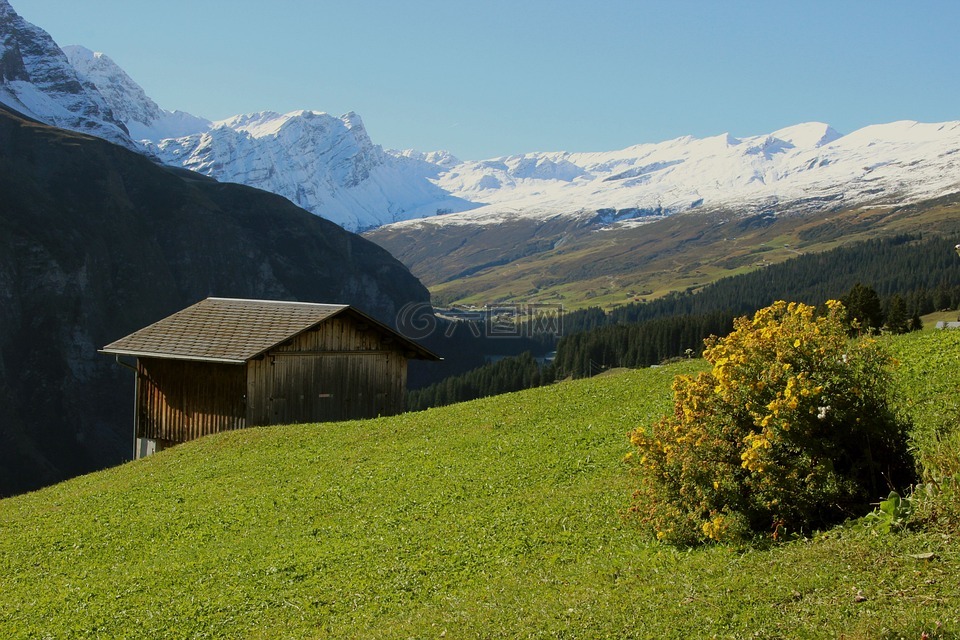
341, 370
178, 400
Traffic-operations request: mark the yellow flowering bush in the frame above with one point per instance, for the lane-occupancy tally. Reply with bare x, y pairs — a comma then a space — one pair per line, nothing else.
791, 430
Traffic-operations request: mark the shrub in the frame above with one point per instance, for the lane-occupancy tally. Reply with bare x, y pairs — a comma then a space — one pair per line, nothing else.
791, 430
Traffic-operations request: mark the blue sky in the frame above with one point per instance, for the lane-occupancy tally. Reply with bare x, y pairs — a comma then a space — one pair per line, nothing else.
497, 77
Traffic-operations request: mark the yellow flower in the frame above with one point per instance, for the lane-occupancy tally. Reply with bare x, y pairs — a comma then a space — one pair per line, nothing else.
715, 528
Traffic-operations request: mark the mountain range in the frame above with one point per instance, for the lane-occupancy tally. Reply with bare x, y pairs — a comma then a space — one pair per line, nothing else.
329, 166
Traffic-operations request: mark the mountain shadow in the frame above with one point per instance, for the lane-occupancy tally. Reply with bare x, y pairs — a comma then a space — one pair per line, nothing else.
97, 241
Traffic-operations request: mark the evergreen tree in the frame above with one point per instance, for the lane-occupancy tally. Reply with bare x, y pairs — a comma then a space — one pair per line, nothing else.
916, 324
897, 318
864, 312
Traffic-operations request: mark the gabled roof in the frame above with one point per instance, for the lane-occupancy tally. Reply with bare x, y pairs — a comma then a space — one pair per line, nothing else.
235, 331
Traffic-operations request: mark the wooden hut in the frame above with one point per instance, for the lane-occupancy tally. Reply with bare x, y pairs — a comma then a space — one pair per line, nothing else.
228, 364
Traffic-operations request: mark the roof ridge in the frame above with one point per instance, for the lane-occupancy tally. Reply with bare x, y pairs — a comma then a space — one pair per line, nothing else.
277, 302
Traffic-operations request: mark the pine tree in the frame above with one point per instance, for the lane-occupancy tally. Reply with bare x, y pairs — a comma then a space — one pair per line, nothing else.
897, 315
864, 311
916, 324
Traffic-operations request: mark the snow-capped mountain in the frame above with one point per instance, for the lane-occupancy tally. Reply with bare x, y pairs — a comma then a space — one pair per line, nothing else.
808, 165
325, 164
37, 80
442, 159
144, 119
330, 166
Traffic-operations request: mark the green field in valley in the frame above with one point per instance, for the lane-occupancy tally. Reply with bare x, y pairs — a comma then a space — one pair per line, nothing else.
502, 517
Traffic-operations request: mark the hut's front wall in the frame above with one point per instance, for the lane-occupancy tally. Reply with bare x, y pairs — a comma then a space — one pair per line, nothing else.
341, 370
181, 400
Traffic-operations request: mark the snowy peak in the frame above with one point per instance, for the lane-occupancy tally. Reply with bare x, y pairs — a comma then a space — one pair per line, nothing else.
338, 146
352, 121
265, 124
555, 168
809, 135
144, 119
323, 163
37, 79
907, 132
257, 125
441, 159
125, 97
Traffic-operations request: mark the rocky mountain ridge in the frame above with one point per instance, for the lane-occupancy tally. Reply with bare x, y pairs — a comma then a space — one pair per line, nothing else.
326, 164
143, 118
37, 80
807, 167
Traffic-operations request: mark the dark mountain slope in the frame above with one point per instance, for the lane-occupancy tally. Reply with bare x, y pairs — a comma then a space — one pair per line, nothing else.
97, 241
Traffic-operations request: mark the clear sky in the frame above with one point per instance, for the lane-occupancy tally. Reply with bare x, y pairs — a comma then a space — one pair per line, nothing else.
485, 78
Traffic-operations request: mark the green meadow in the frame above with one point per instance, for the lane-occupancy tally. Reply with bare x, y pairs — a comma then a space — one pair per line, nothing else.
503, 517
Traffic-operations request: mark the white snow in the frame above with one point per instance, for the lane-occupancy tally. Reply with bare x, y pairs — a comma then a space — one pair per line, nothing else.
329, 166
809, 163
325, 164
144, 119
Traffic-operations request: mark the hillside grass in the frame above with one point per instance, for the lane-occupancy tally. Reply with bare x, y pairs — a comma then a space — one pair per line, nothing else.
501, 517
930, 320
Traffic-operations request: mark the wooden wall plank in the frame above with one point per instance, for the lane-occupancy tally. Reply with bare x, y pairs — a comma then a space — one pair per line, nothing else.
181, 400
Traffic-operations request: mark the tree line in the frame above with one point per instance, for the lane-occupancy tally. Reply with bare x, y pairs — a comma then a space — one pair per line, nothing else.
925, 271
909, 275
512, 373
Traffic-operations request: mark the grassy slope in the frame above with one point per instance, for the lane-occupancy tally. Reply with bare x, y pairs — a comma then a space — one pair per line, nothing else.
493, 518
